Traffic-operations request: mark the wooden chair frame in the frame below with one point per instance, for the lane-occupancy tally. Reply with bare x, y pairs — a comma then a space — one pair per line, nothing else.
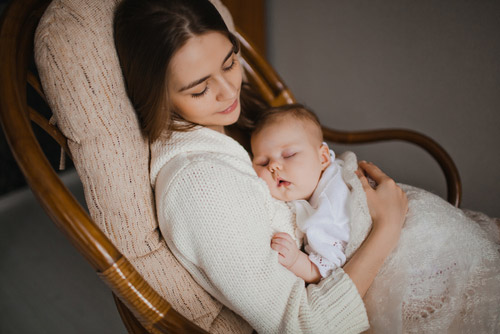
141, 308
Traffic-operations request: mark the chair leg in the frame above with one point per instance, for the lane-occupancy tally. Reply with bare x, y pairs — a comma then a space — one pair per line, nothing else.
130, 321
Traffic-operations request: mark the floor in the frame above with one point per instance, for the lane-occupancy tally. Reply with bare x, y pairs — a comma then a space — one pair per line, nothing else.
45, 284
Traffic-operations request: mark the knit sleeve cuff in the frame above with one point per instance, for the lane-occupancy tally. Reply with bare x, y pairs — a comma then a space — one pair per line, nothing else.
336, 305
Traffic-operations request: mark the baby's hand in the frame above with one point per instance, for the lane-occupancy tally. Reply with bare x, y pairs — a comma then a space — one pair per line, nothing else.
287, 249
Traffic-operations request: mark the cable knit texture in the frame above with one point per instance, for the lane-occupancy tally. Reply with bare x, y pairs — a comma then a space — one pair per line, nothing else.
218, 217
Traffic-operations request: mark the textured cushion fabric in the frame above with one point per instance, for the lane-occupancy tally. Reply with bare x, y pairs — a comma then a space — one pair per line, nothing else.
82, 80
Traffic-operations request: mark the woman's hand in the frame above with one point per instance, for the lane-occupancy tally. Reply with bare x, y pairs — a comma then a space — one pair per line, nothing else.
387, 202
388, 206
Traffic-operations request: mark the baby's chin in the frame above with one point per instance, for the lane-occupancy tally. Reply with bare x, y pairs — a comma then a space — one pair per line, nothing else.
285, 197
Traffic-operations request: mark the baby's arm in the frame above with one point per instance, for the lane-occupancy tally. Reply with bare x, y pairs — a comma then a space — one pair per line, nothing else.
293, 259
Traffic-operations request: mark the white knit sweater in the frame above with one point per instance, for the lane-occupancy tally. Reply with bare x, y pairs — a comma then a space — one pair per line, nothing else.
218, 217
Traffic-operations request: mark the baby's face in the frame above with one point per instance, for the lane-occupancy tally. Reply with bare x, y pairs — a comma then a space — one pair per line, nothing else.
290, 158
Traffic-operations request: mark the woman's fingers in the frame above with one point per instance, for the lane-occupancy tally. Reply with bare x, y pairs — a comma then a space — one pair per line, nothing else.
363, 180
387, 202
373, 171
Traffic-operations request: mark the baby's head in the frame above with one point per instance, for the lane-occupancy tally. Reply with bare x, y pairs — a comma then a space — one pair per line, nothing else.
288, 151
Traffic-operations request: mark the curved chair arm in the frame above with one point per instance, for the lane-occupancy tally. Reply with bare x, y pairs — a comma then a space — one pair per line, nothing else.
262, 76
17, 29
453, 183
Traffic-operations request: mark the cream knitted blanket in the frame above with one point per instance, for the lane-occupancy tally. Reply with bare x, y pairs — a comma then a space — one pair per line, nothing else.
444, 275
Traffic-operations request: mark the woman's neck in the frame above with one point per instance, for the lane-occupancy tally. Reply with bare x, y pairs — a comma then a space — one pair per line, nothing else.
241, 136
218, 128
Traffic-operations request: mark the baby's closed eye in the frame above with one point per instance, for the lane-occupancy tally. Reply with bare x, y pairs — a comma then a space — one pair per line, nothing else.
262, 163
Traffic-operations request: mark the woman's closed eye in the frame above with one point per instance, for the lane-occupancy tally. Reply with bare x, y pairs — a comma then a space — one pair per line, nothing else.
200, 94
228, 67
230, 64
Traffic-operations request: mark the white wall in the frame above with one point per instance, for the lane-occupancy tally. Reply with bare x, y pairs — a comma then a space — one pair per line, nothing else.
431, 66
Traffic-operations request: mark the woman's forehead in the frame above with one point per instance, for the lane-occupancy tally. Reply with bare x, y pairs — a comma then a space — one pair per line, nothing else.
199, 57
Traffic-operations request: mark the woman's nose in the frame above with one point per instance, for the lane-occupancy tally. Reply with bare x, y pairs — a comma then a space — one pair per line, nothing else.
227, 90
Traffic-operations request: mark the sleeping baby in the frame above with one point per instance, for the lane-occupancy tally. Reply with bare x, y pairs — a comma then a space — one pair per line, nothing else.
444, 275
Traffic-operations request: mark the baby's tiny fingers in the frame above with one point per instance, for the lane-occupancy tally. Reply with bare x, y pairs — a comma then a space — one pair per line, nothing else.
282, 251
282, 235
279, 246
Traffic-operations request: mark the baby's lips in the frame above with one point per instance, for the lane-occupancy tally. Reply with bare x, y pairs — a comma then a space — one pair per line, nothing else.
281, 182
278, 179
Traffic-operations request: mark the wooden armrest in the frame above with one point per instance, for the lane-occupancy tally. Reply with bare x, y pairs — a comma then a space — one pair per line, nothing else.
453, 183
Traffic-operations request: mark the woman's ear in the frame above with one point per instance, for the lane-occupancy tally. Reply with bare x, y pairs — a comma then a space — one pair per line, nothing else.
324, 156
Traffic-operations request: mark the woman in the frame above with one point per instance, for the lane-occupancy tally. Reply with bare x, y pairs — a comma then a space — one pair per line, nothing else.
184, 79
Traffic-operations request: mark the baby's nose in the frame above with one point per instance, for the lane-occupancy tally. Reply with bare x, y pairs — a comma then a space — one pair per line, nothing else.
274, 166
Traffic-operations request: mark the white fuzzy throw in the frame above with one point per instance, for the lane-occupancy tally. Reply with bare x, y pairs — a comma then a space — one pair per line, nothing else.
444, 275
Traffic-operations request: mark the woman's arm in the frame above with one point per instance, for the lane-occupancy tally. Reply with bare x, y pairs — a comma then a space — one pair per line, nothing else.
388, 206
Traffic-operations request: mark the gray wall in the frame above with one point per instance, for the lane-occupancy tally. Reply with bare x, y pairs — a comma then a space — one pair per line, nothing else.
431, 66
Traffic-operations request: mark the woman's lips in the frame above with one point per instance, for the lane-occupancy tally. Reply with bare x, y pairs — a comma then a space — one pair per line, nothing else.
231, 108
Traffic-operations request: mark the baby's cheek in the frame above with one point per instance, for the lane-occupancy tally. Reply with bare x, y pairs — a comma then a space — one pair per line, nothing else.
263, 175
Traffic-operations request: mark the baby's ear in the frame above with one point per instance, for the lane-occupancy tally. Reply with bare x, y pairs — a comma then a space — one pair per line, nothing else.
324, 156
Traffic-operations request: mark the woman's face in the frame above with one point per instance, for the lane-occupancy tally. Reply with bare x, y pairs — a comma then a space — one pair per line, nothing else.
204, 81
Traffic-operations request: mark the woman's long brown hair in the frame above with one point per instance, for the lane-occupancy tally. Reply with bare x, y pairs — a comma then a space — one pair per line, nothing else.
147, 33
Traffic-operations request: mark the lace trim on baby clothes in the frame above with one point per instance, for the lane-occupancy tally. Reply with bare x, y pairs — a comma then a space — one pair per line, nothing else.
325, 266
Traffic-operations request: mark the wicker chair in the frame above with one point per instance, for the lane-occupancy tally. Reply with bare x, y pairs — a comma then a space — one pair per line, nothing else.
142, 309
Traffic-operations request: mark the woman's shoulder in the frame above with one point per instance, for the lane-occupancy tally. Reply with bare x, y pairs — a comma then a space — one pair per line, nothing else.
200, 145
211, 168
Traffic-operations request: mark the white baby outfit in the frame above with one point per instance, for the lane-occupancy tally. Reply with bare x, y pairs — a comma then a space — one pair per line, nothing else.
324, 219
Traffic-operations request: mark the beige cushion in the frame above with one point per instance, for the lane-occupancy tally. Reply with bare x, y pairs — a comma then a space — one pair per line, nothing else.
81, 77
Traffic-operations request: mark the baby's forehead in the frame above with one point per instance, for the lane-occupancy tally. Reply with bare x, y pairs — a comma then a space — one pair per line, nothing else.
304, 124
303, 130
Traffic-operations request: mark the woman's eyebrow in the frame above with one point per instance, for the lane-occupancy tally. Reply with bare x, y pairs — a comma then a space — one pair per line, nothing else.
228, 55
199, 81
194, 83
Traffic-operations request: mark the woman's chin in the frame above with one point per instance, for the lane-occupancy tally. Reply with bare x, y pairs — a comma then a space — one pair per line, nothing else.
232, 117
